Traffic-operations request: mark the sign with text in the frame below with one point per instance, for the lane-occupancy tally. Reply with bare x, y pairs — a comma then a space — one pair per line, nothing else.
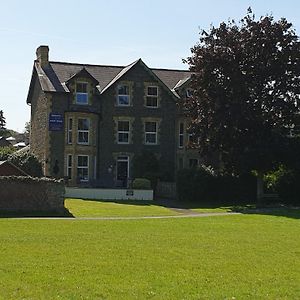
56, 122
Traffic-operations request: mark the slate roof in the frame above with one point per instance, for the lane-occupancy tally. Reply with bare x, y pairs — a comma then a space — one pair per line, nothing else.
53, 78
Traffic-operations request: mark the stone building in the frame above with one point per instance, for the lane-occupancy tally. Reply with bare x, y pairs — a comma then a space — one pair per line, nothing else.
89, 121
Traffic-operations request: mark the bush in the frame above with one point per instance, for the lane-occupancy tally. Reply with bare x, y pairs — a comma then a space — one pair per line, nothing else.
204, 186
141, 184
27, 162
146, 165
287, 186
5, 152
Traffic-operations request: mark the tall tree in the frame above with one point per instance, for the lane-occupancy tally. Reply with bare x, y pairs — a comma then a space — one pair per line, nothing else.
2, 120
246, 91
2, 124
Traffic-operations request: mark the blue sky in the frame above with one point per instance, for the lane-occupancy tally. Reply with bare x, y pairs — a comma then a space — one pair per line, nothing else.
113, 32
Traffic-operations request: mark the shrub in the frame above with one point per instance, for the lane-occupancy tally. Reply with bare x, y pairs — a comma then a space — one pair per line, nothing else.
146, 165
202, 185
5, 152
141, 184
287, 186
27, 162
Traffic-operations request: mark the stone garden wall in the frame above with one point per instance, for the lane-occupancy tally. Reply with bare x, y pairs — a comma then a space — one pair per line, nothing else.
18, 193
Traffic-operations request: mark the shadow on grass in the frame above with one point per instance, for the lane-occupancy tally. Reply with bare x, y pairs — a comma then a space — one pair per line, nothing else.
128, 202
38, 214
279, 211
268, 209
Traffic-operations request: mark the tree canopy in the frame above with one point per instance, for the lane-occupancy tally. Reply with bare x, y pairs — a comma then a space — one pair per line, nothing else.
246, 82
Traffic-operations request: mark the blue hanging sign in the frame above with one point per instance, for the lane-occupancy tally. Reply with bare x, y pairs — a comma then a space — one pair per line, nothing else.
56, 122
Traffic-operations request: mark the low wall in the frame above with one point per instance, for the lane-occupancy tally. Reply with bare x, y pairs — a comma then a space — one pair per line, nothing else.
108, 194
19, 193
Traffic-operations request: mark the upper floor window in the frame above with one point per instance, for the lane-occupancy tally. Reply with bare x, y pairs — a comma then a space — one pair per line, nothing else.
82, 96
181, 131
123, 132
123, 95
83, 131
152, 96
151, 133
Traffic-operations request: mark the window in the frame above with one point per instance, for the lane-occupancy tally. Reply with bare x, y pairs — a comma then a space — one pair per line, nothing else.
70, 135
189, 93
192, 138
123, 132
150, 133
69, 166
123, 95
193, 163
83, 167
83, 131
181, 129
152, 96
82, 96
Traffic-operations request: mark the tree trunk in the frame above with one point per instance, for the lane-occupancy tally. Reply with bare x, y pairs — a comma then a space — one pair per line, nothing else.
260, 187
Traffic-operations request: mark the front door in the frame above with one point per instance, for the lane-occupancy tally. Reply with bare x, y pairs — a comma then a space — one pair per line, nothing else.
122, 170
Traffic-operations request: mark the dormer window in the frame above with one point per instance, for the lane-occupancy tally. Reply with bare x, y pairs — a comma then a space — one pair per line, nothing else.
123, 95
152, 96
82, 96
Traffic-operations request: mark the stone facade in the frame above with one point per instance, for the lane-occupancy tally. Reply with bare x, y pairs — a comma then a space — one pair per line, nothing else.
19, 193
109, 115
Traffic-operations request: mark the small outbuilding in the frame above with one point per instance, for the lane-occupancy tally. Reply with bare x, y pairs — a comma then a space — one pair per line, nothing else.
9, 169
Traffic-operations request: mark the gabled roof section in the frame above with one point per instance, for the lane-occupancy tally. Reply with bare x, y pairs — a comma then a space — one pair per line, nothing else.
150, 71
83, 73
120, 75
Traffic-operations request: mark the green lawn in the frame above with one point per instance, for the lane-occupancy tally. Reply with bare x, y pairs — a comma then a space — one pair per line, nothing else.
221, 257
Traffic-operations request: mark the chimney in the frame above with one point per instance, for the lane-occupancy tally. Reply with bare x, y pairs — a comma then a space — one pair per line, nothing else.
42, 55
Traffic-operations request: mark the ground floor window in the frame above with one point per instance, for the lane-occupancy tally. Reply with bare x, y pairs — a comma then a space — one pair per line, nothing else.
83, 167
69, 166
193, 163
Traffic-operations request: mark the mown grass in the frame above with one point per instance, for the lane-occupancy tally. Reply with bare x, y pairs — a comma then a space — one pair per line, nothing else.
94, 208
228, 257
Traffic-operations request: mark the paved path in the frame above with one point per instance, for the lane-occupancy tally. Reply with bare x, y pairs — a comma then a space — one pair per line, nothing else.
189, 215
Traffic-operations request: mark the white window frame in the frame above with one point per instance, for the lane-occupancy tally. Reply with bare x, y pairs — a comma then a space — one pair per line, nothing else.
70, 131
83, 131
151, 132
83, 167
123, 95
123, 132
152, 96
181, 135
69, 165
82, 94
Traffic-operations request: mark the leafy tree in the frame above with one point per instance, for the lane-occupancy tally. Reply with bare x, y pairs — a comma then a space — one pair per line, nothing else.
246, 92
27, 162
